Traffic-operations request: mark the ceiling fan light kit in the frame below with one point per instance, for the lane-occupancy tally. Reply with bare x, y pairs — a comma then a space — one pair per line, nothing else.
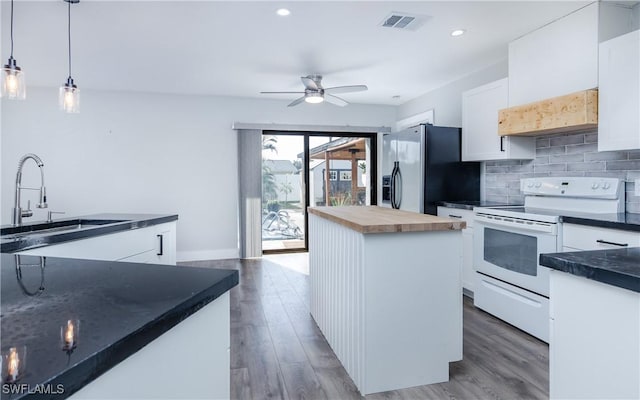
313, 98
13, 85
315, 93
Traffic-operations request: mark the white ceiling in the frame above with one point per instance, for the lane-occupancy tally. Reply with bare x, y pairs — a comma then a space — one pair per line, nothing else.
239, 48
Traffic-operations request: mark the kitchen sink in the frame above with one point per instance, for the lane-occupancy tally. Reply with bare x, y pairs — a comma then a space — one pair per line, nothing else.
45, 228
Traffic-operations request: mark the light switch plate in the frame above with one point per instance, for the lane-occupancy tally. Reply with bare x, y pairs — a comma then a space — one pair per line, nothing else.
636, 187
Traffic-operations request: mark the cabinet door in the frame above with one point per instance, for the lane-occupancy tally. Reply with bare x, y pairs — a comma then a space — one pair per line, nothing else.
619, 93
137, 245
166, 244
468, 272
557, 59
580, 237
480, 140
468, 275
111, 247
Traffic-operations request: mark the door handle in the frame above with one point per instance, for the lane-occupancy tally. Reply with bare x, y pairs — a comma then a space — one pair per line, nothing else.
501, 143
161, 252
455, 216
612, 243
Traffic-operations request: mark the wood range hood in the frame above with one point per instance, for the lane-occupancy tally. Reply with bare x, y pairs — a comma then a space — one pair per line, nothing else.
570, 113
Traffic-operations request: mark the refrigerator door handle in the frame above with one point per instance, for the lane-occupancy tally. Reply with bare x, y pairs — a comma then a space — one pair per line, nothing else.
393, 188
399, 184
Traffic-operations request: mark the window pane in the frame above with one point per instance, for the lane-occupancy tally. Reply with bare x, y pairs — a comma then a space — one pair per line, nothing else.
283, 217
346, 181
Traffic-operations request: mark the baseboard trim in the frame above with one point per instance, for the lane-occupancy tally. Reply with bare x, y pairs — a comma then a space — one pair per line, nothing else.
221, 254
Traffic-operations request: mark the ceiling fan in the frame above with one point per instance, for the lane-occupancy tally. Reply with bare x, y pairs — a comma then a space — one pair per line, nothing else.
315, 93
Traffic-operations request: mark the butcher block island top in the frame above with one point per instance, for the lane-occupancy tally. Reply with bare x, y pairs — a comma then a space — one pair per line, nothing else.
374, 219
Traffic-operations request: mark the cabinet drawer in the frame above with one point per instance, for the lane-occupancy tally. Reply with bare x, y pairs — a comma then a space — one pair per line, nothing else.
592, 238
456, 213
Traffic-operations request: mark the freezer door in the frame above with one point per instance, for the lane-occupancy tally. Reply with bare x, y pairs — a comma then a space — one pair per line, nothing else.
411, 148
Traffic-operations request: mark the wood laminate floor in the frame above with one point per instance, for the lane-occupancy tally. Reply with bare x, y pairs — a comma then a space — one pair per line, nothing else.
278, 352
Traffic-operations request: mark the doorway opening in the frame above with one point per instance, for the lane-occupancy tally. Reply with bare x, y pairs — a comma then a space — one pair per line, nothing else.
301, 169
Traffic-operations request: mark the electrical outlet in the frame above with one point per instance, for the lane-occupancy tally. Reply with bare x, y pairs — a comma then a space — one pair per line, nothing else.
636, 187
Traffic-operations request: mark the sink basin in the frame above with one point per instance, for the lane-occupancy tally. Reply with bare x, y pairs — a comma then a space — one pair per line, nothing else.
44, 228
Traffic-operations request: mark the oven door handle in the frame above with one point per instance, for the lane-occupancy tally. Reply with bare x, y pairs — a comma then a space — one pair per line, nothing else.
522, 225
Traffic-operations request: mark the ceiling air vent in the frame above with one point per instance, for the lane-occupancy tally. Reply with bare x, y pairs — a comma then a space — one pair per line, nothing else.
405, 21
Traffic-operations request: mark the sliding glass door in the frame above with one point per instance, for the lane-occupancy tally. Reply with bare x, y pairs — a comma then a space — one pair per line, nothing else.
314, 169
283, 197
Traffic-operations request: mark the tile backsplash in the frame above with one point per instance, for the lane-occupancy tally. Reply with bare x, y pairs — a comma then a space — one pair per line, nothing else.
573, 154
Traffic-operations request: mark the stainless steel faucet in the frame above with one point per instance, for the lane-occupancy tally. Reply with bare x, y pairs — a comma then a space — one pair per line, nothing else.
18, 212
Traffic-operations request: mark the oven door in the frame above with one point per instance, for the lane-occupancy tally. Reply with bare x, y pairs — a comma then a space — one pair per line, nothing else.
508, 249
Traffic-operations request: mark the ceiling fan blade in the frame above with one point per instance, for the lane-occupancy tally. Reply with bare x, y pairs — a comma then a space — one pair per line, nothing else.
346, 89
281, 92
309, 83
335, 100
296, 102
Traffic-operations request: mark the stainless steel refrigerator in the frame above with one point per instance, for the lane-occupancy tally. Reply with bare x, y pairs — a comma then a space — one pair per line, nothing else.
421, 166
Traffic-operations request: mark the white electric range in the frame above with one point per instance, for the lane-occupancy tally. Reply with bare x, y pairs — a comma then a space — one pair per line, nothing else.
508, 241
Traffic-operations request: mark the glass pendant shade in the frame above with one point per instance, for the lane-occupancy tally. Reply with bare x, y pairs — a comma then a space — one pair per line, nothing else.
13, 86
69, 97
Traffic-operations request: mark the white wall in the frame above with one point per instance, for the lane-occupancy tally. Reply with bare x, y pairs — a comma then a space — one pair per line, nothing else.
447, 100
150, 153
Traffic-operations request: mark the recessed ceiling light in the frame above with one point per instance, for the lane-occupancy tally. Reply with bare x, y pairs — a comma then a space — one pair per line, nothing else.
458, 32
283, 12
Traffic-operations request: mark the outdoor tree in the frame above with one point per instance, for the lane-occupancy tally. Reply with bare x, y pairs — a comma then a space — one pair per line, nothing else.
268, 178
286, 188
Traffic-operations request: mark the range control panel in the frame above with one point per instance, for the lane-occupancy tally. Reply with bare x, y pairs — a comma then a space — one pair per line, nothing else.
582, 187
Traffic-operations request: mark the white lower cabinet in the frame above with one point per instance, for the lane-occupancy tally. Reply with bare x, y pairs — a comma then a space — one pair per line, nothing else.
155, 244
594, 347
468, 272
189, 361
581, 237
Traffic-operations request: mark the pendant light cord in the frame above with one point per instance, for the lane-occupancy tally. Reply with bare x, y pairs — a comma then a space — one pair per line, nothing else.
69, 35
11, 29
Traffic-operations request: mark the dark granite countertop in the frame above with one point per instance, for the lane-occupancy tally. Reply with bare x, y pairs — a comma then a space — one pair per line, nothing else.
95, 226
470, 204
121, 307
623, 221
619, 267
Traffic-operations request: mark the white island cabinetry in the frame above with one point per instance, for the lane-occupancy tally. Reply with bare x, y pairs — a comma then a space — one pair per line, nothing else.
386, 293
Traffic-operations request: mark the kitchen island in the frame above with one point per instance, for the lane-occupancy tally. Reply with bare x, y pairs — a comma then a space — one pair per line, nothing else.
386, 293
145, 331
594, 342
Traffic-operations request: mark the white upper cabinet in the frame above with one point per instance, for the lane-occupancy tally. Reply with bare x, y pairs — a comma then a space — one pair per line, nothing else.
556, 59
619, 97
480, 140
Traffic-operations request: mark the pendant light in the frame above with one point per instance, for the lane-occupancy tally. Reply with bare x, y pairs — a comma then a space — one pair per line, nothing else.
13, 86
69, 97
